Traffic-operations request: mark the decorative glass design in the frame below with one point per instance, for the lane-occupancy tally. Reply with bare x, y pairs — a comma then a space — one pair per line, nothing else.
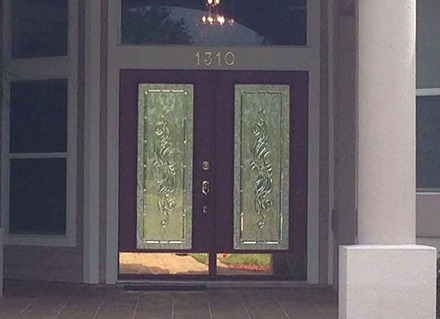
261, 185
165, 143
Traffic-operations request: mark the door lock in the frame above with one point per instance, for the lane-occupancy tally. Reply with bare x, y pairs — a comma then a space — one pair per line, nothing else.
205, 165
205, 188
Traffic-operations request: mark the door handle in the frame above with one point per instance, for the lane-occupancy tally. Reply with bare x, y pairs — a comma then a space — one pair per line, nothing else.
205, 188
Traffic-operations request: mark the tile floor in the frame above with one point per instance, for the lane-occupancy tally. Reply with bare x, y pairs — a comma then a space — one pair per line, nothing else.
69, 301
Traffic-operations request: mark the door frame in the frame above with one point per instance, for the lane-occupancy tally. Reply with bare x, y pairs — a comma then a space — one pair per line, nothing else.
118, 57
298, 137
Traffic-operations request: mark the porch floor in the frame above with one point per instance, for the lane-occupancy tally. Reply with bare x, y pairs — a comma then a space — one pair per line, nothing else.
24, 299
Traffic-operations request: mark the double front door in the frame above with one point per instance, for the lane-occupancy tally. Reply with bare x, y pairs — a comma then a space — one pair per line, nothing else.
213, 162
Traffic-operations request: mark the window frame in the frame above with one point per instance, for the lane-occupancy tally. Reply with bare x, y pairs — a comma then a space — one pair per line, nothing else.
303, 58
308, 33
424, 93
42, 68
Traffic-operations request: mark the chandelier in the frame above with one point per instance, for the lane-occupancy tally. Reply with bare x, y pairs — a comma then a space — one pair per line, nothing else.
214, 15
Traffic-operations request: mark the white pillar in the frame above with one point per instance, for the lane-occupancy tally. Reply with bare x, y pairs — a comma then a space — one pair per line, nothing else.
387, 276
386, 121
91, 140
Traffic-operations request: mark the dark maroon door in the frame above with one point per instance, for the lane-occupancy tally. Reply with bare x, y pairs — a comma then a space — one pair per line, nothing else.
203, 150
248, 166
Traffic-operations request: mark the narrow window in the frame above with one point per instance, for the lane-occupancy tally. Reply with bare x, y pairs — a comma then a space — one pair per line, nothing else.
428, 44
38, 151
428, 142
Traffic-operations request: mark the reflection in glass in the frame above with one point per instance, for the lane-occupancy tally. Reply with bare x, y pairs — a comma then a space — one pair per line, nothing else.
163, 263
230, 22
244, 264
277, 264
38, 116
38, 196
428, 142
39, 28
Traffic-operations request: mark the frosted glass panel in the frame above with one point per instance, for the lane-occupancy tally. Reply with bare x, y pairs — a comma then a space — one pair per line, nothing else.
165, 142
261, 187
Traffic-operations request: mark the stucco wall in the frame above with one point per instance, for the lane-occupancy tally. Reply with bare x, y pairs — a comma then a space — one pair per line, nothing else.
43, 264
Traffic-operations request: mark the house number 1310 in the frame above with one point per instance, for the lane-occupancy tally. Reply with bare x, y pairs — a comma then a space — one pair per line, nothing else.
208, 58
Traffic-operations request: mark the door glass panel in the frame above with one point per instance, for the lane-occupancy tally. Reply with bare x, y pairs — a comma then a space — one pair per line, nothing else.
163, 264
261, 186
165, 143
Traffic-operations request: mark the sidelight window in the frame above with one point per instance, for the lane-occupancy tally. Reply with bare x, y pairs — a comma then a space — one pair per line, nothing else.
428, 96
39, 122
428, 142
38, 151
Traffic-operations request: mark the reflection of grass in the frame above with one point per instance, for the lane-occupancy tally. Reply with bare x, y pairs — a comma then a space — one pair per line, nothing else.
237, 259
201, 258
247, 259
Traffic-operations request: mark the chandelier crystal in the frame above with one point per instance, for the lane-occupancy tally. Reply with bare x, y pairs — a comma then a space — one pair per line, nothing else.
214, 15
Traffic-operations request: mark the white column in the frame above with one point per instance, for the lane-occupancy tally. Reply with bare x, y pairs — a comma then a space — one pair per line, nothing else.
386, 122
387, 276
91, 140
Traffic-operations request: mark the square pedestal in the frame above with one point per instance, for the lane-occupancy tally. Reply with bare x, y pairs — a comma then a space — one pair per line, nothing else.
387, 282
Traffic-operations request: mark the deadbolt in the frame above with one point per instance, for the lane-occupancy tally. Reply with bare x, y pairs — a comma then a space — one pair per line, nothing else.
205, 166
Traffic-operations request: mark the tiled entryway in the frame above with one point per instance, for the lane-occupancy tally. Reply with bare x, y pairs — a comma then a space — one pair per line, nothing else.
69, 301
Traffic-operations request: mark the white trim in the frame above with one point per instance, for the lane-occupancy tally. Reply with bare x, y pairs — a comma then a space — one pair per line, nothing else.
427, 191
91, 141
428, 92
4, 204
43, 69
162, 57
331, 139
112, 251
156, 57
36, 155
314, 24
